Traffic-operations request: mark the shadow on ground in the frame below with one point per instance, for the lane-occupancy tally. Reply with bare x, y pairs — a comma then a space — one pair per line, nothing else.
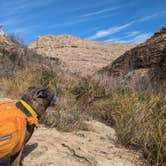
28, 149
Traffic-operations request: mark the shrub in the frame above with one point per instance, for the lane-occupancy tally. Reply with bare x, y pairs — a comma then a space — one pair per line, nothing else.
45, 76
21, 80
86, 92
16, 38
139, 120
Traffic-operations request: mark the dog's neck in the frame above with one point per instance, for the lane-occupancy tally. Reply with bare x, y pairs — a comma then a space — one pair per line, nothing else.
30, 128
23, 109
20, 105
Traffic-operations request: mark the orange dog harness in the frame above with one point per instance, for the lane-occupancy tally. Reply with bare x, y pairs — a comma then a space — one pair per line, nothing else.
13, 124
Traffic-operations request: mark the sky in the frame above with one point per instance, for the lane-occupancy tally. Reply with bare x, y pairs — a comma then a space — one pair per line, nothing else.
117, 21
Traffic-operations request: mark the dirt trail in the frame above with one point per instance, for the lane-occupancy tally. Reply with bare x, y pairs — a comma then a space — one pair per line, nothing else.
94, 147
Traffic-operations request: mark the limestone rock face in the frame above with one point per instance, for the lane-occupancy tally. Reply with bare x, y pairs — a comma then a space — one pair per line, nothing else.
149, 55
81, 57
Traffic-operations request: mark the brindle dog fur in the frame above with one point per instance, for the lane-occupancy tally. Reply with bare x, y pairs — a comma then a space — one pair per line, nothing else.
39, 99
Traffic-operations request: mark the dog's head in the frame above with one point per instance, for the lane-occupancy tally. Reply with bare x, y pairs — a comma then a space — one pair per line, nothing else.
39, 99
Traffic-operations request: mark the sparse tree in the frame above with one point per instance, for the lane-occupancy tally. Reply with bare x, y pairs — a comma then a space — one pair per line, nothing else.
1, 29
16, 38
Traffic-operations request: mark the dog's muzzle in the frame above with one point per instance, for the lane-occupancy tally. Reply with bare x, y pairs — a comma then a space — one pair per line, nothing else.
53, 101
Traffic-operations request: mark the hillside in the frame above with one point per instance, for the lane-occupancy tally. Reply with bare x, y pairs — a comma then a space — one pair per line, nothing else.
80, 56
142, 68
14, 57
150, 54
138, 119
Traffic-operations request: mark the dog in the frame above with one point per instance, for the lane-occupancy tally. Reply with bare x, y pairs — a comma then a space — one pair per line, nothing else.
39, 99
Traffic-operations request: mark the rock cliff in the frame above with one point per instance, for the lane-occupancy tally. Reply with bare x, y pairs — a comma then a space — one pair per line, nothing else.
81, 57
148, 55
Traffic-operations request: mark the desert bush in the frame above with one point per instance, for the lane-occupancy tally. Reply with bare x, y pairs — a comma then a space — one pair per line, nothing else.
45, 76
140, 122
64, 117
14, 87
86, 92
16, 38
22, 79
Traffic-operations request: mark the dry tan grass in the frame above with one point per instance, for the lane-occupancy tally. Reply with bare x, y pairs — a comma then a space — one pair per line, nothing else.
16, 86
139, 118
140, 122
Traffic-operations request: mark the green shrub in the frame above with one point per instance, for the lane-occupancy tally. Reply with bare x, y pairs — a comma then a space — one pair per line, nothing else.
45, 76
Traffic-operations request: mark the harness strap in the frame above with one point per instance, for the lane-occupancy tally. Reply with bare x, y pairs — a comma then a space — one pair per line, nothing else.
29, 108
32, 120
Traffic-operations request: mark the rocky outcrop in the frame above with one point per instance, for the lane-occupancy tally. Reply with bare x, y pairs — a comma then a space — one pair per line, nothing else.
81, 57
94, 147
149, 55
14, 56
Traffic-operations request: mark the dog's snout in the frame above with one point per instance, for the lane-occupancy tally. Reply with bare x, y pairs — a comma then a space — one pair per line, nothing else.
54, 101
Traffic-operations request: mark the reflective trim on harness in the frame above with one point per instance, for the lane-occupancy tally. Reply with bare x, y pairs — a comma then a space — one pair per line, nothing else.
6, 137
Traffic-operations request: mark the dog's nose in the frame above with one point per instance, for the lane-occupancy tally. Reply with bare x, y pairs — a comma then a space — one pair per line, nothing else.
54, 101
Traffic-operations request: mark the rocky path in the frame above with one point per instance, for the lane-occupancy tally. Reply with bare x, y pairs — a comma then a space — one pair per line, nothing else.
94, 146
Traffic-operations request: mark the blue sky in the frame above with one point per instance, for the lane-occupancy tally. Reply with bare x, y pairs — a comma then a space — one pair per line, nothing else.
120, 21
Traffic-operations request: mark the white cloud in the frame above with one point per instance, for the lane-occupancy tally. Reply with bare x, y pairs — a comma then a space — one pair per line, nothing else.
141, 37
148, 17
11, 8
116, 40
99, 12
110, 31
12, 12
105, 10
75, 21
132, 34
136, 38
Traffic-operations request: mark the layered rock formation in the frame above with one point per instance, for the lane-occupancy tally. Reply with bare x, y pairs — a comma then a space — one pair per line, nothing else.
150, 55
81, 57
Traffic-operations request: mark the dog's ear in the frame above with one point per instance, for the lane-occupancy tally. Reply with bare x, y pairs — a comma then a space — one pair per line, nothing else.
41, 93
